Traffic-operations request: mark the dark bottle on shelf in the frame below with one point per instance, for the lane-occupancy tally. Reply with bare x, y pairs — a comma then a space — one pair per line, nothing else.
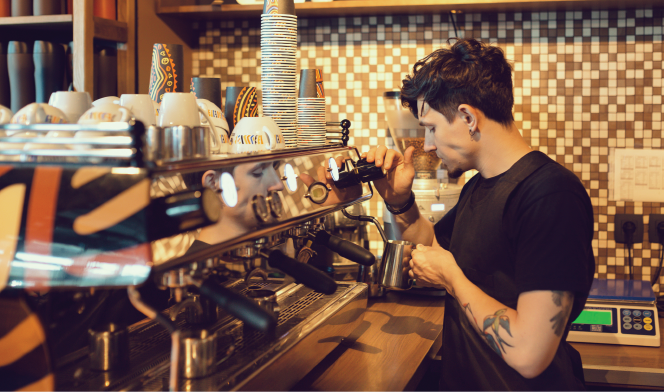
49, 60
5, 95
21, 74
5, 8
105, 9
46, 7
106, 72
21, 7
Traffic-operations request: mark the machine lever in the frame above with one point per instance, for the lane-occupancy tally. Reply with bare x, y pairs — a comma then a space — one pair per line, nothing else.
239, 306
347, 249
306, 274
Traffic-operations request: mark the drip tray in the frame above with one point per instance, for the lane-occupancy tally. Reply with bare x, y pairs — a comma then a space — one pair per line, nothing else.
310, 326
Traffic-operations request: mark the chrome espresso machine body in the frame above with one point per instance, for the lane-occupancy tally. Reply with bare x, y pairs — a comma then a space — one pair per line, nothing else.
113, 252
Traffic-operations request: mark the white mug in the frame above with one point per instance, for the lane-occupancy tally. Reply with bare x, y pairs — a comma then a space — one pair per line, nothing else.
109, 112
72, 103
218, 121
5, 115
39, 113
156, 109
142, 106
182, 109
256, 134
105, 100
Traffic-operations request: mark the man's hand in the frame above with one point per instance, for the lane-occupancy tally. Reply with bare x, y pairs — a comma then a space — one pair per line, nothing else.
336, 195
434, 267
396, 186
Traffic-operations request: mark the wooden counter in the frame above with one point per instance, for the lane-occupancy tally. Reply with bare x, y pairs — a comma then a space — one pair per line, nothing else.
390, 354
605, 364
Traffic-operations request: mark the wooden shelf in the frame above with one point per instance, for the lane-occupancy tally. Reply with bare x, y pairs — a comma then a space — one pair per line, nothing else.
110, 30
106, 29
382, 7
41, 22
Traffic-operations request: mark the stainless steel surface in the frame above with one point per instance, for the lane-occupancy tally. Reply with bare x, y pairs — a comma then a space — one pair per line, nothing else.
187, 303
392, 273
108, 347
370, 275
621, 375
198, 349
183, 143
310, 326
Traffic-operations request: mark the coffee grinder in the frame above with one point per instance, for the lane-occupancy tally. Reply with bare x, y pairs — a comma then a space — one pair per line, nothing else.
433, 194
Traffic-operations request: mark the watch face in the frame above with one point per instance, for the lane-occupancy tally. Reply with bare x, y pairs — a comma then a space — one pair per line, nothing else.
318, 192
291, 177
334, 169
260, 208
276, 204
228, 189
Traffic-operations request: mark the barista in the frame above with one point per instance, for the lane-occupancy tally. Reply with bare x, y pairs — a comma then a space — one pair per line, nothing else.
515, 253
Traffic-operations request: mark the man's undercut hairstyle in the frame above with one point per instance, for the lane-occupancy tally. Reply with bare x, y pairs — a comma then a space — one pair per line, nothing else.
468, 72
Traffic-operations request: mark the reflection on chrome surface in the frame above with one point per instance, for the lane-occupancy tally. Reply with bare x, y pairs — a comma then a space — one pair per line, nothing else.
265, 193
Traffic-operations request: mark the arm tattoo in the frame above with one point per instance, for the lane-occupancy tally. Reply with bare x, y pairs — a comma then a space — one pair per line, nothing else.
563, 300
497, 321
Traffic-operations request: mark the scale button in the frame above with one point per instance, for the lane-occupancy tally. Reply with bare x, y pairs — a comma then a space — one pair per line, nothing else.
627, 319
637, 319
647, 320
627, 326
647, 313
637, 313
648, 327
626, 312
638, 326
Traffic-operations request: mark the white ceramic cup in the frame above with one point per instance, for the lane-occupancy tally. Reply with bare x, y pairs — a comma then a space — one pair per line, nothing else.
105, 100
256, 134
39, 113
142, 106
109, 112
182, 109
72, 103
5, 115
218, 121
156, 109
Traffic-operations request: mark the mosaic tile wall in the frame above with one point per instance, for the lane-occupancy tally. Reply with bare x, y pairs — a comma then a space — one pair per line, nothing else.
585, 83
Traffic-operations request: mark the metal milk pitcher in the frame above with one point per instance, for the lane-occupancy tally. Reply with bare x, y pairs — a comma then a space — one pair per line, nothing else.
392, 271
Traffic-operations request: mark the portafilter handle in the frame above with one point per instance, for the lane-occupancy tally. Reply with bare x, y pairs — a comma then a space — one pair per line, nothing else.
366, 218
306, 274
238, 305
347, 249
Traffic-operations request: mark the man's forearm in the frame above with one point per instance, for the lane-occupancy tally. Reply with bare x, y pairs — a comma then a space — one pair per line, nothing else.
414, 227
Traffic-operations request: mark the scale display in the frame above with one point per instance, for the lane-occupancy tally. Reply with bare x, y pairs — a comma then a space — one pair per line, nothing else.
618, 312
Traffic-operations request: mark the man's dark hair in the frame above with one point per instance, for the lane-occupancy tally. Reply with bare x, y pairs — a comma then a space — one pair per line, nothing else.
469, 72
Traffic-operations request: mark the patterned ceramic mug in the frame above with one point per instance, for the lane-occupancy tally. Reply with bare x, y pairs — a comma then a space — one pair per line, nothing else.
253, 134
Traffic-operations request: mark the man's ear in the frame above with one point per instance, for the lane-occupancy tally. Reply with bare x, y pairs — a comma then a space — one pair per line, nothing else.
470, 117
209, 180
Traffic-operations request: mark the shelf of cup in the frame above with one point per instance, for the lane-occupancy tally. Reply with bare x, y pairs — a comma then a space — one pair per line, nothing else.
373, 7
106, 29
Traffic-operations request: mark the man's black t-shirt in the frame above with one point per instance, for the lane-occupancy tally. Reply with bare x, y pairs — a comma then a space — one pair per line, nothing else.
548, 225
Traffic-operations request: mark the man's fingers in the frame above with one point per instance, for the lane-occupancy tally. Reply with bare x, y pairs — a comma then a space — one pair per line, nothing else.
380, 155
307, 179
389, 159
370, 155
408, 156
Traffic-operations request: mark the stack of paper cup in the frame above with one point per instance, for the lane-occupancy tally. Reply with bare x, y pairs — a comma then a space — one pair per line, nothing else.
311, 109
279, 71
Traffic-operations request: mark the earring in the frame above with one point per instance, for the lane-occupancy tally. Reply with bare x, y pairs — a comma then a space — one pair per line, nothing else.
471, 132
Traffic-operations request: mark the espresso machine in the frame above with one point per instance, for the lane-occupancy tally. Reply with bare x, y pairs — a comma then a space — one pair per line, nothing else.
103, 248
433, 193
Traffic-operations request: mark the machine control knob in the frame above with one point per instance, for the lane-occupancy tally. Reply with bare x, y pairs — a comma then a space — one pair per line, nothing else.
261, 209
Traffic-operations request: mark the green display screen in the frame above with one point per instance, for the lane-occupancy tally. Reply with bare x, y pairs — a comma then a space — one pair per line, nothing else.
594, 317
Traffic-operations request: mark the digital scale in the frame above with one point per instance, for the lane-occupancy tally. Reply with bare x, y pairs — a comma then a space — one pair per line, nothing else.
618, 312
